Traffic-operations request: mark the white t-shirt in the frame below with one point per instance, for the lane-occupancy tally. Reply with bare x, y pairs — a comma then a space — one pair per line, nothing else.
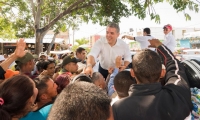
144, 43
114, 100
108, 54
170, 41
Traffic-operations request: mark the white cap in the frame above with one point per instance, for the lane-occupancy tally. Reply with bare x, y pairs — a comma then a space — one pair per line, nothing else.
43, 53
2, 58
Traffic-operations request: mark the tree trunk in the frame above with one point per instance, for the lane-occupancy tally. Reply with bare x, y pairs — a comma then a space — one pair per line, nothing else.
39, 43
52, 42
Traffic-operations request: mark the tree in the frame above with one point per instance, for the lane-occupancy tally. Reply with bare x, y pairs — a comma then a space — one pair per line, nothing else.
35, 17
80, 42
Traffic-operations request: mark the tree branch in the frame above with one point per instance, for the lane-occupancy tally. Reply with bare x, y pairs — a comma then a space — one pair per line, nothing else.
33, 8
67, 11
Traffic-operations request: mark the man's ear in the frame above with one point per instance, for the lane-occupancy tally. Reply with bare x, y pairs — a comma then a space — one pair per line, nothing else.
132, 73
163, 72
43, 97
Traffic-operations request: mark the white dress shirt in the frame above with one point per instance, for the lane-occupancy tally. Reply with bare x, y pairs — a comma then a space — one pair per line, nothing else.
170, 41
144, 43
108, 54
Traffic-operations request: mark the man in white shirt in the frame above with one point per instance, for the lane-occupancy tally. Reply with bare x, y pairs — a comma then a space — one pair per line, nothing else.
169, 39
143, 40
108, 49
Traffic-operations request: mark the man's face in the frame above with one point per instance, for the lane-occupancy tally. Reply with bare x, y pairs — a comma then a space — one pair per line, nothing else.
144, 33
81, 55
166, 31
43, 57
71, 67
52, 89
111, 35
51, 69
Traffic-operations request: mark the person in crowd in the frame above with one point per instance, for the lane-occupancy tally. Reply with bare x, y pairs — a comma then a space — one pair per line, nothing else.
122, 82
108, 48
19, 52
43, 56
143, 40
69, 65
39, 66
26, 64
81, 101
109, 80
17, 97
82, 77
48, 67
81, 56
99, 80
170, 102
169, 39
62, 81
47, 92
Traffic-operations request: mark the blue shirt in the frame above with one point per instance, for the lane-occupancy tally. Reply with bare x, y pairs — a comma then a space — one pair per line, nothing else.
111, 82
40, 114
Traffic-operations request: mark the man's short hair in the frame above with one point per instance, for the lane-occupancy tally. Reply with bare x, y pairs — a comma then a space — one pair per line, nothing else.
147, 66
41, 85
122, 81
147, 30
79, 50
114, 25
81, 101
95, 76
82, 77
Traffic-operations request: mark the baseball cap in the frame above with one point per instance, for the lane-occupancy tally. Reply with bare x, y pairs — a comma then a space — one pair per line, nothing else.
9, 73
43, 53
2, 58
168, 26
68, 59
27, 57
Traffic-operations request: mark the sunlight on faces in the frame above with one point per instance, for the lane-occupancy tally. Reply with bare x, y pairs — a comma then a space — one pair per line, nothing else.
82, 55
111, 35
52, 89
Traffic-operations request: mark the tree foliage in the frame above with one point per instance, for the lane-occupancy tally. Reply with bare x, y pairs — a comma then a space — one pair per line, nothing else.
30, 18
80, 42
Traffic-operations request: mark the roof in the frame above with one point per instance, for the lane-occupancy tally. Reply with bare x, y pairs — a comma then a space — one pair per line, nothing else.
46, 39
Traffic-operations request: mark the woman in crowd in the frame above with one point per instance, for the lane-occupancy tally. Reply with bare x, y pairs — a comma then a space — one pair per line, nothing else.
62, 81
17, 97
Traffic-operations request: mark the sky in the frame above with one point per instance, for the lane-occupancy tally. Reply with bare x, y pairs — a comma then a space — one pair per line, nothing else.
167, 15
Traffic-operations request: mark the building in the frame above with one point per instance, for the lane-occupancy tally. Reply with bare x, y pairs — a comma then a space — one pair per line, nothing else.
8, 46
191, 40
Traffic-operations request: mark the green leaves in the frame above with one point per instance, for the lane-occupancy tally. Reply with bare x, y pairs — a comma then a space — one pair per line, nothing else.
21, 13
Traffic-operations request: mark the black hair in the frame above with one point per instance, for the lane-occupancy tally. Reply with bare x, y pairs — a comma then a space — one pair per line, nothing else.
15, 92
81, 101
79, 50
82, 77
122, 82
147, 66
147, 30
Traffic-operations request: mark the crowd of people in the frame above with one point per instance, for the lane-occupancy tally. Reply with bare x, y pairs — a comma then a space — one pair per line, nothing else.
68, 88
